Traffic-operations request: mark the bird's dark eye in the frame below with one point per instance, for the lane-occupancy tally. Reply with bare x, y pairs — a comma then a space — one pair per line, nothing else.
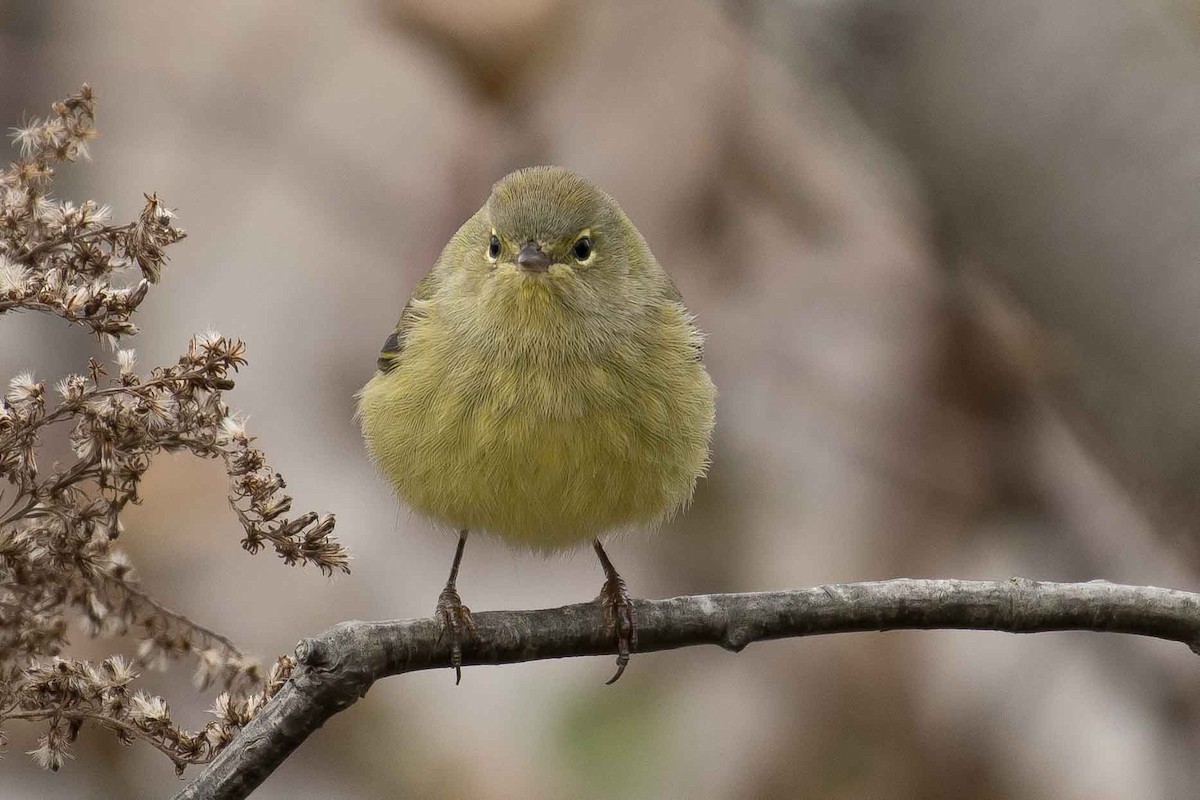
494, 247
582, 249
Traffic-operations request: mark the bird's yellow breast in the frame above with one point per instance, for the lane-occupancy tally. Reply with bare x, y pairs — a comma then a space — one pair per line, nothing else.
537, 439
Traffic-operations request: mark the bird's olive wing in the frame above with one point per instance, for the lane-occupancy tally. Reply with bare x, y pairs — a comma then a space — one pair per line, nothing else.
393, 346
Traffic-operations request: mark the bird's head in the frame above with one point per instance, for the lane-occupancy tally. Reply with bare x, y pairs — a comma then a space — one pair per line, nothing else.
547, 227
551, 255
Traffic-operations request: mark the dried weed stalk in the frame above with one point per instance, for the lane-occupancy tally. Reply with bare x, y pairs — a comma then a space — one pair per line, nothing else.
58, 527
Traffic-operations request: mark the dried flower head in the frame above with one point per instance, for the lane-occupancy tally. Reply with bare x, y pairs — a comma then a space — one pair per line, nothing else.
59, 527
62, 258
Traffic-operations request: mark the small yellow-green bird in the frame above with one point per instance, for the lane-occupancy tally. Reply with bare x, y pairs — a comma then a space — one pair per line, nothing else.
544, 384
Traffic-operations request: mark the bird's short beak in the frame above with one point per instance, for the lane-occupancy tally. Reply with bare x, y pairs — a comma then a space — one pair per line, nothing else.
531, 258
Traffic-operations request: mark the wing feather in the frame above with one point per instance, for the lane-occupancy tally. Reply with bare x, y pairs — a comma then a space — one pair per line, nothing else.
393, 346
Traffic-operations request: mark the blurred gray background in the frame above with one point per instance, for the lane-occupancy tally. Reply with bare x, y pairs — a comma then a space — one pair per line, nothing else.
946, 254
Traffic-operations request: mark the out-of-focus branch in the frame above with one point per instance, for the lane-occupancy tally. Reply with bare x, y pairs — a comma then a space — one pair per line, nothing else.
337, 667
1057, 145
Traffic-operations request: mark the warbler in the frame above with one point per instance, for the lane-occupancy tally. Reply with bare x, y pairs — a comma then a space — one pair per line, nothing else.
544, 384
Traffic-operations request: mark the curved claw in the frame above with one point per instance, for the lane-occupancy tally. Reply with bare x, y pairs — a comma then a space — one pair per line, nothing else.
622, 662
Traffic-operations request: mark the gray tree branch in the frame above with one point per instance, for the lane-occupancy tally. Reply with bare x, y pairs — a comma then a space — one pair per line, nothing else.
337, 667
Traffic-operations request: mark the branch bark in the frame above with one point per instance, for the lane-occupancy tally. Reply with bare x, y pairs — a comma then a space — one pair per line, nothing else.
337, 667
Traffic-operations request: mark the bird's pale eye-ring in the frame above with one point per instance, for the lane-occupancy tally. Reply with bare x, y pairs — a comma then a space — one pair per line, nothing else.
493, 250
582, 249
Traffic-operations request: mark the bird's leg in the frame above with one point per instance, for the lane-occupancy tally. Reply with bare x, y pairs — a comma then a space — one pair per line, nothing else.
619, 614
456, 618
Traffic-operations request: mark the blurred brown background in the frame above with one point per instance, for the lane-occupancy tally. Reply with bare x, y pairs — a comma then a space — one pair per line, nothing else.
947, 256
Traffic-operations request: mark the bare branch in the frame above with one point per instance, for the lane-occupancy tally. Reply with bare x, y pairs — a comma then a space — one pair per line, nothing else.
123, 586
337, 667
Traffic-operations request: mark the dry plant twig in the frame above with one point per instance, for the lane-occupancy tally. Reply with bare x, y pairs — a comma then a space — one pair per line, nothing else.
58, 527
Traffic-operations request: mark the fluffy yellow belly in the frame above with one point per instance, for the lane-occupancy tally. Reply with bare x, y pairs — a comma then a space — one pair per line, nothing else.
541, 457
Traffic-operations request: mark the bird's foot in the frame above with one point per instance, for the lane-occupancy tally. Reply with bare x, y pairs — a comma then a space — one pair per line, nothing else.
620, 617
457, 625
